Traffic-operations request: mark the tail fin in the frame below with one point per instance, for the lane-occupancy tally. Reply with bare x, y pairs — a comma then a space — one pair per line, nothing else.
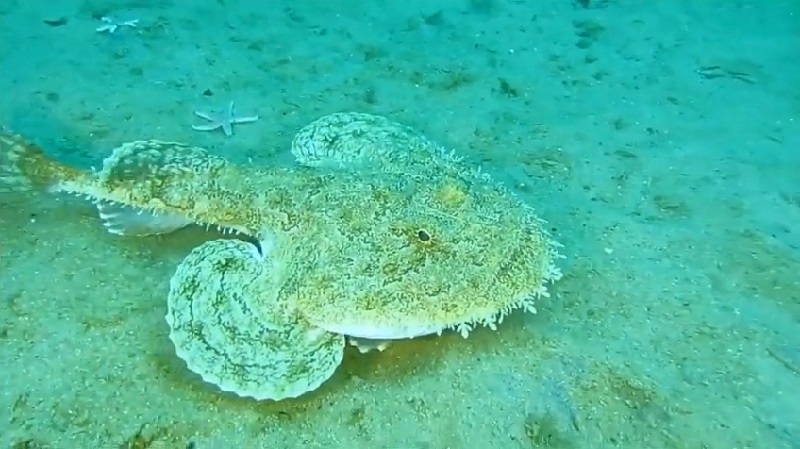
24, 166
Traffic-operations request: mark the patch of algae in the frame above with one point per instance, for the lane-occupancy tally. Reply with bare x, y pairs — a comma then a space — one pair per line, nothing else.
632, 410
544, 431
754, 265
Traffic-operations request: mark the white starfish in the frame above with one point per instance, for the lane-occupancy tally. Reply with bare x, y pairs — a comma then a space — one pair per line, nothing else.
224, 119
111, 25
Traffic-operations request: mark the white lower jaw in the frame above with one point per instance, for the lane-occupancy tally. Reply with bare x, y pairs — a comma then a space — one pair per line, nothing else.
381, 332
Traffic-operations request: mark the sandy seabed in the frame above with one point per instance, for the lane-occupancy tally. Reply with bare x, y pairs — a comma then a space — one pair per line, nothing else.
661, 142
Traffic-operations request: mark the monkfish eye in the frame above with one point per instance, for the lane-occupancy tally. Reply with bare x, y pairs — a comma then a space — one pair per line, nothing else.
423, 235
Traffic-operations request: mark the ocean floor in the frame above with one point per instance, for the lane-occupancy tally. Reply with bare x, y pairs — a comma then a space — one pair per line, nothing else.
660, 140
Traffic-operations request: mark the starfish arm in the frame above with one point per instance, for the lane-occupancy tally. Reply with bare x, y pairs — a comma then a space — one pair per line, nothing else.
205, 116
210, 127
227, 129
250, 119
